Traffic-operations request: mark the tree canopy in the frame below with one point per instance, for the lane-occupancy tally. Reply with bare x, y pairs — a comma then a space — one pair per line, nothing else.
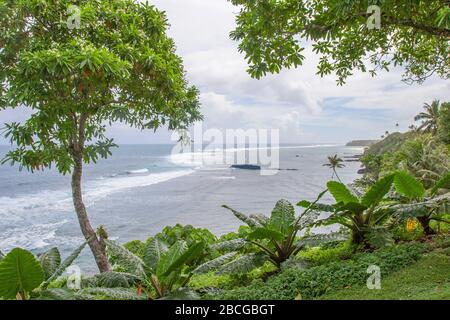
413, 34
117, 65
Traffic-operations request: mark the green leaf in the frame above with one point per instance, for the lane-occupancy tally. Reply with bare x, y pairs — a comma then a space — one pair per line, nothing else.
282, 218
192, 253
230, 245
408, 186
56, 294
243, 264
341, 193
443, 183
64, 265
110, 294
111, 279
20, 272
377, 192
153, 251
244, 218
265, 233
50, 261
170, 257
214, 264
126, 259
322, 207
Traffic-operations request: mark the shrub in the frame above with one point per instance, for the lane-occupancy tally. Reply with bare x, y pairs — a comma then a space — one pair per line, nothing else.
316, 281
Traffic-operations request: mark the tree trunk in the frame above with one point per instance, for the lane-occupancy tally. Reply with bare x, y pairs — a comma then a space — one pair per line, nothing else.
425, 222
97, 245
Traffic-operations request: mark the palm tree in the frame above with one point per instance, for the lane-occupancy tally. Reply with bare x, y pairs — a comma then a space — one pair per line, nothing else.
334, 162
429, 117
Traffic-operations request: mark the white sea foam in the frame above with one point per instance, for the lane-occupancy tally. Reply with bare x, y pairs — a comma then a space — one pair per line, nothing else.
139, 171
30, 236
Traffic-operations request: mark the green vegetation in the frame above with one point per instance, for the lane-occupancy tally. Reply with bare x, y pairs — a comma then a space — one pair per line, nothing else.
24, 276
428, 279
334, 162
413, 34
118, 65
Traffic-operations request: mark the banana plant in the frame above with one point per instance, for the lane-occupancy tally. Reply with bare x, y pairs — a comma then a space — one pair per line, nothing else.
24, 276
276, 238
162, 273
424, 205
366, 215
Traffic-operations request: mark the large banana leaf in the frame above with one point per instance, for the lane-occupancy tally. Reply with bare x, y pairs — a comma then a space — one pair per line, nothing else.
64, 265
377, 192
214, 264
243, 264
126, 259
192, 253
20, 271
316, 206
341, 193
50, 261
266, 233
408, 186
282, 218
55, 294
153, 252
170, 257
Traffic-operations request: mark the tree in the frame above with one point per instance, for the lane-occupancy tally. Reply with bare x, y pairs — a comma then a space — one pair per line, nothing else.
334, 162
413, 34
117, 65
444, 123
429, 117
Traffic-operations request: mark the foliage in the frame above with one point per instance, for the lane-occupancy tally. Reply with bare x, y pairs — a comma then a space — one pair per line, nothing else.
413, 34
118, 66
274, 236
24, 276
323, 254
421, 156
425, 280
429, 117
362, 215
316, 281
162, 272
444, 123
425, 205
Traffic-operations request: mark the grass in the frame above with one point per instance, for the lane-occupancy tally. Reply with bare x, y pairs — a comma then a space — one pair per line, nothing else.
427, 279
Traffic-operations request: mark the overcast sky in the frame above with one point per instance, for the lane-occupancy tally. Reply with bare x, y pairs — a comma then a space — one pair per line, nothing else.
305, 107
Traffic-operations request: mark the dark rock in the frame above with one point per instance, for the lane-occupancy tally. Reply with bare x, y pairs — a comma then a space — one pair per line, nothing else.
246, 166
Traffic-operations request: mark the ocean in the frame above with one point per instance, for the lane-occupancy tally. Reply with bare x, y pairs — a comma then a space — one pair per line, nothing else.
142, 188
